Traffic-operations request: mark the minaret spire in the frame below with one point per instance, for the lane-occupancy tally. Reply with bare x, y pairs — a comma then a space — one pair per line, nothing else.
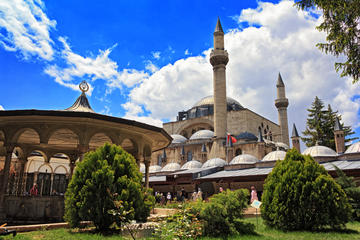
218, 59
281, 104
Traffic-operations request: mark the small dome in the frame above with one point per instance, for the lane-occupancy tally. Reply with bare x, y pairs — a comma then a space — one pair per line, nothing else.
353, 148
178, 138
202, 134
319, 151
142, 168
214, 162
282, 145
209, 100
154, 168
246, 136
192, 165
244, 159
275, 155
170, 167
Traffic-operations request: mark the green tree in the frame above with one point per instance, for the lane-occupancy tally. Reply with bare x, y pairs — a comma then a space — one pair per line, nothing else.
104, 177
320, 126
341, 23
299, 194
352, 191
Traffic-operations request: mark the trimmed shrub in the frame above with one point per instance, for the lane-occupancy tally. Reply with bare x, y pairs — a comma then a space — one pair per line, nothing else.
299, 194
222, 215
104, 177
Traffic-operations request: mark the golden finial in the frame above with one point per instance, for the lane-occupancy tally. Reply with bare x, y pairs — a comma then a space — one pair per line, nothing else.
84, 86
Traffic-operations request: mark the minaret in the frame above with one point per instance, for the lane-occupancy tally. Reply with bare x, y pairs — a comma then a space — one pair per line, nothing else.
295, 139
218, 59
281, 104
339, 137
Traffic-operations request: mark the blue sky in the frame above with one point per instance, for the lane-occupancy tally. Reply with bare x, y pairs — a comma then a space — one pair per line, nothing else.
147, 60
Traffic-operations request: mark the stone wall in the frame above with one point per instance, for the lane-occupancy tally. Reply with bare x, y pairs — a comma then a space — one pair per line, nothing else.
29, 210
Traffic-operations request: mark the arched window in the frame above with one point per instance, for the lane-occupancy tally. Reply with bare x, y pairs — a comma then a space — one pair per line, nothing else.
238, 152
189, 156
159, 158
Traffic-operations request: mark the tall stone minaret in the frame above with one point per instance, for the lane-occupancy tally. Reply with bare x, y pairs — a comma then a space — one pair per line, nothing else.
218, 59
281, 104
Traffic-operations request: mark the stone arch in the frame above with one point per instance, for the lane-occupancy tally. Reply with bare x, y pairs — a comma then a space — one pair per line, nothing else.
26, 135
35, 159
64, 137
57, 170
99, 139
130, 146
195, 123
44, 167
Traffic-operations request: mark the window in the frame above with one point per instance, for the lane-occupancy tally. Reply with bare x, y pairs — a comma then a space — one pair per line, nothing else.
238, 152
44, 183
59, 184
159, 159
189, 156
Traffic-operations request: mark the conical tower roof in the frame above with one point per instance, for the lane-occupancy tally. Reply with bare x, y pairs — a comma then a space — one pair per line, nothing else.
280, 82
337, 126
82, 103
218, 27
294, 132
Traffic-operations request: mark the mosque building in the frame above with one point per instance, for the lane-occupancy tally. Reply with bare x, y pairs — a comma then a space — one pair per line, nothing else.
220, 143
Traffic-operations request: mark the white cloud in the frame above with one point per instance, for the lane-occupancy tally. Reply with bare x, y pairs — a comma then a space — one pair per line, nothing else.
26, 28
156, 55
1, 108
93, 68
133, 112
187, 52
150, 66
283, 41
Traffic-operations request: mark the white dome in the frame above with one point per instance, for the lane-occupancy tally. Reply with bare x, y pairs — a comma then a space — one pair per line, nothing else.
209, 100
244, 159
192, 165
202, 134
214, 162
275, 155
154, 168
319, 151
142, 168
354, 148
282, 145
170, 167
178, 138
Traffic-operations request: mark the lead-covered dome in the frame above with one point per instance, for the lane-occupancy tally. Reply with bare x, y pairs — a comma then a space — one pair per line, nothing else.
178, 138
202, 134
154, 168
246, 136
214, 162
274, 156
319, 151
244, 159
193, 164
209, 100
353, 148
170, 167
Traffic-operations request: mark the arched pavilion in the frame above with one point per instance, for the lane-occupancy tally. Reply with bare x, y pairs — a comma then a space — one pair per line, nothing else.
68, 133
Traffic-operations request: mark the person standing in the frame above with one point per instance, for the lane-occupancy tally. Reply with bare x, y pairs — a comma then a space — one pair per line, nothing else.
254, 195
34, 190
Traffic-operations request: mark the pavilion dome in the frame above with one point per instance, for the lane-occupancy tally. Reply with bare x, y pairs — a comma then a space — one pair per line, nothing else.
274, 156
209, 100
170, 167
202, 134
319, 151
142, 168
178, 138
214, 162
353, 148
244, 159
154, 168
193, 164
246, 136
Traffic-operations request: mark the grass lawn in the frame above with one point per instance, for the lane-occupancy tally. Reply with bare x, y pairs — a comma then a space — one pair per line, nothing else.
352, 232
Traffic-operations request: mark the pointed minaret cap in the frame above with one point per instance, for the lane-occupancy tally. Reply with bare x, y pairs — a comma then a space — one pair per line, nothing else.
295, 133
260, 136
280, 82
337, 126
218, 27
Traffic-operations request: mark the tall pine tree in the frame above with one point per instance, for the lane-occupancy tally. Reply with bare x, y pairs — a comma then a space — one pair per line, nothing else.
320, 126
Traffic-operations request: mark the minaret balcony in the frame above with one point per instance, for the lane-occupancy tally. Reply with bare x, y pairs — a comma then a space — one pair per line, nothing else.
218, 57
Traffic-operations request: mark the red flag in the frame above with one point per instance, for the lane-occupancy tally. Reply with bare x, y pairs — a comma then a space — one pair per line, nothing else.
233, 139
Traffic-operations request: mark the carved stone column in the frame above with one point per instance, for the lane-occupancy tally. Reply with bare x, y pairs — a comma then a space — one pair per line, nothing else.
4, 180
147, 173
